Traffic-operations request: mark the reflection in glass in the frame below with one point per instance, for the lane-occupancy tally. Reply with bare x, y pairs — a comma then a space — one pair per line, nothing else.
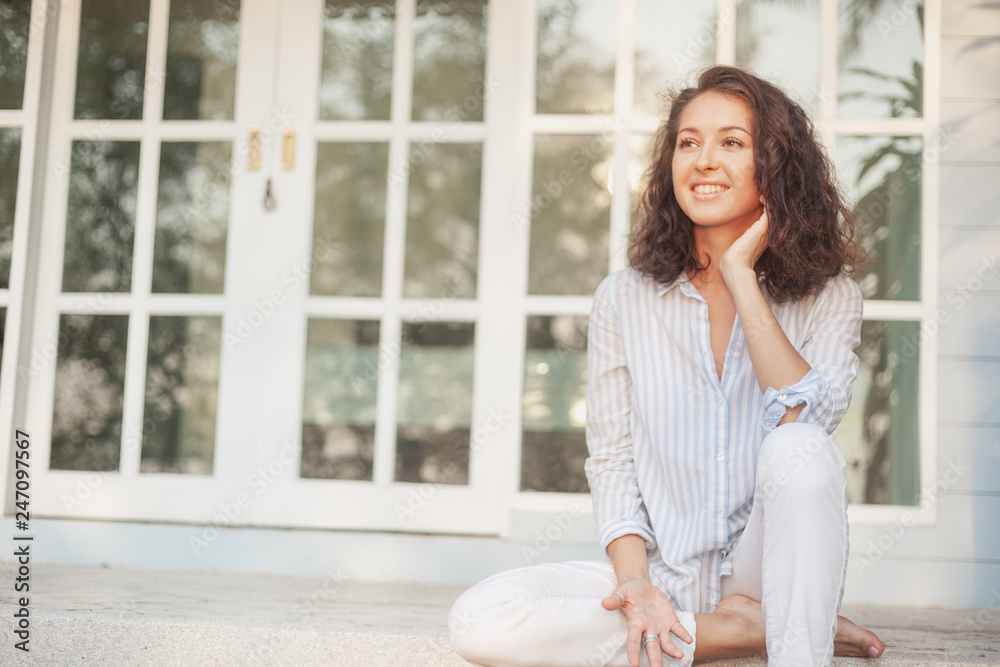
879, 435
672, 40
880, 73
182, 388
434, 417
10, 160
356, 79
111, 59
570, 214
883, 174
15, 21
3, 328
90, 384
442, 229
554, 445
449, 60
200, 81
100, 216
577, 43
338, 414
349, 219
778, 41
192, 211
640, 147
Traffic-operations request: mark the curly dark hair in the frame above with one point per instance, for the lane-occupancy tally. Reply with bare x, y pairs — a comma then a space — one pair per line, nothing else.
810, 236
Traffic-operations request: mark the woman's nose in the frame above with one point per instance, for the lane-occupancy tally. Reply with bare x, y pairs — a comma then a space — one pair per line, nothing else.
706, 158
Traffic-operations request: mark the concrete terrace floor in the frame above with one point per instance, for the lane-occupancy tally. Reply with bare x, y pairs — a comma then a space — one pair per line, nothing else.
120, 616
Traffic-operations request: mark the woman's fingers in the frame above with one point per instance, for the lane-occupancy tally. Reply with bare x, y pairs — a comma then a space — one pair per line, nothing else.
679, 630
653, 652
614, 601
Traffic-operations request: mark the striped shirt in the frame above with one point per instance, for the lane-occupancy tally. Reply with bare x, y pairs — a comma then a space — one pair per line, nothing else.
673, 450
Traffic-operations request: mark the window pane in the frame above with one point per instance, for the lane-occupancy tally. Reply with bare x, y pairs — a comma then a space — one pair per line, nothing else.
570, 214
672, 39
356, 79
449, 60
90, 383
554, 444
577, 42
182, 388
111, 64
883, 174
192, 212
780, 42
349, 219
442, 228
200, 83
880, 73
338, 414
10, 160
15, 22
100, 216
435, 402
3, 328
879, 435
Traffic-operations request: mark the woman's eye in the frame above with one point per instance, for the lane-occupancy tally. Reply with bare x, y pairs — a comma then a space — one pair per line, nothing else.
684, 143
731, 143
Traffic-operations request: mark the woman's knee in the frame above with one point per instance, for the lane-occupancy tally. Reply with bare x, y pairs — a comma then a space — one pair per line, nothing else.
798, 457
479, 621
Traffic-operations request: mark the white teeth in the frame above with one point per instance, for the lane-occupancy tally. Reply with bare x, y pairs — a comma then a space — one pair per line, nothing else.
708, 189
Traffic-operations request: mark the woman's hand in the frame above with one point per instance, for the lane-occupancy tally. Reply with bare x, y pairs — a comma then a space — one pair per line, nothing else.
649, 612
746, 250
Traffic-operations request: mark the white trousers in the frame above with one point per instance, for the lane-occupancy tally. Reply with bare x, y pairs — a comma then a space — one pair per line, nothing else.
792, 557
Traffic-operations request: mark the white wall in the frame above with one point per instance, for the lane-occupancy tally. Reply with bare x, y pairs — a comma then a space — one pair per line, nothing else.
957, 562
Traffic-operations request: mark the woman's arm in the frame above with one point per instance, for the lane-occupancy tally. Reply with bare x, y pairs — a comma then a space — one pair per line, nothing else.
816, 380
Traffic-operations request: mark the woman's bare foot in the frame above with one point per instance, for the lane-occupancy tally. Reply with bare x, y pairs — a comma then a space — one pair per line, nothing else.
856, 641
741, 619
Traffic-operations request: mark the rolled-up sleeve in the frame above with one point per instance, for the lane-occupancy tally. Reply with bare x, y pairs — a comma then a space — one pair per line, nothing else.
833, 332
610, 468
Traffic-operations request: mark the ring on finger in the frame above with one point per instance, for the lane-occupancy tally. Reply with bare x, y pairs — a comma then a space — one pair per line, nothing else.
619, 594
649, 638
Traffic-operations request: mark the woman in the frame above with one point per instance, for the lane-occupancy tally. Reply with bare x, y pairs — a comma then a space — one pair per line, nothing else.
719, 362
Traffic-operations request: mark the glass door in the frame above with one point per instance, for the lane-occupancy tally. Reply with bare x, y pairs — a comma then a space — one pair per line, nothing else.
139, 407
378, 361
261, 287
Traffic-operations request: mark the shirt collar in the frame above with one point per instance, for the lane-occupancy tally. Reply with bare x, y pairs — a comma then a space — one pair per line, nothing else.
685, 285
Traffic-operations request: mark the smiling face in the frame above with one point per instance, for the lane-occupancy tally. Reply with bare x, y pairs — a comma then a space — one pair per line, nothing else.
713, 163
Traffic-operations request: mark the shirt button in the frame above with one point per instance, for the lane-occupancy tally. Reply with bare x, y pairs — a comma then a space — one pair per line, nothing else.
720, 456
721, 400
782, 396
719, 514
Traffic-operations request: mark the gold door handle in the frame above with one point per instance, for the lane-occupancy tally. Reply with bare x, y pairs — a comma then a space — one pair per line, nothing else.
254, 149
288, 149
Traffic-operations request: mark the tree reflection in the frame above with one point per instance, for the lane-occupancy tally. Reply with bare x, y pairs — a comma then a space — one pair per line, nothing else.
100, 217
90, 382
15, 21
10, 158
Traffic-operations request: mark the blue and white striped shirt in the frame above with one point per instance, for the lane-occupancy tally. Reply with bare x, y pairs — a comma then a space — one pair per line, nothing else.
673, 450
